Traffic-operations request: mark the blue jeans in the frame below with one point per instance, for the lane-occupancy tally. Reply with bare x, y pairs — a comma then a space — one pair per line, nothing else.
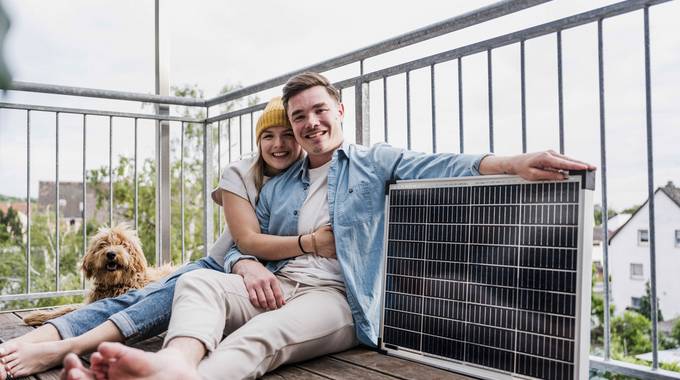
138, 314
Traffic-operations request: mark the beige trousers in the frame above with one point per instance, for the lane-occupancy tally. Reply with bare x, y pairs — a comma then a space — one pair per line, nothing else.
316, 320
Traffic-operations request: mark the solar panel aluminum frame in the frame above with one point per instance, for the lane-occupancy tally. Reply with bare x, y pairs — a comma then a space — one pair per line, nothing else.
583, 276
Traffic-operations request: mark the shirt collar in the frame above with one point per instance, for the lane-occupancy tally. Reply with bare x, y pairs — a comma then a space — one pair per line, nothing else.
302, 170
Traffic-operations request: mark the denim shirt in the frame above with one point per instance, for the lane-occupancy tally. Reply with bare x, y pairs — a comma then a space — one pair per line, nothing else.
356, 202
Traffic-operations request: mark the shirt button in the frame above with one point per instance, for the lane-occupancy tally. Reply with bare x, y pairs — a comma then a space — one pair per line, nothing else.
351, 190
295, 212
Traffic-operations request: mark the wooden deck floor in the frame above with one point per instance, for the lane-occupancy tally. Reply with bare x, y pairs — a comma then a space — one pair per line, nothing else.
359, 363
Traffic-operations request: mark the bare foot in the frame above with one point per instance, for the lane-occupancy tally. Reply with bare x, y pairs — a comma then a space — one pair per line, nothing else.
3, 373
130, 363
75, 370
23, 359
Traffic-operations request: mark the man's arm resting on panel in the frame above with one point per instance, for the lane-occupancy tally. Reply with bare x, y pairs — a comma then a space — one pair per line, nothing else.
547, 165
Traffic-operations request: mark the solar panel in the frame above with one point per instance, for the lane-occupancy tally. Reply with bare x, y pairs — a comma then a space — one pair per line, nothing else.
489, 276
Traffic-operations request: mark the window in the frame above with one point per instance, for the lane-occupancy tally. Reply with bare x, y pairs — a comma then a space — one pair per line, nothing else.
636, 271
643, 237
635, 302
677, 238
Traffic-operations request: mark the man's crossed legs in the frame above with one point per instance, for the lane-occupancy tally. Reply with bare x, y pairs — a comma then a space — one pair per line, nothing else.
316, 320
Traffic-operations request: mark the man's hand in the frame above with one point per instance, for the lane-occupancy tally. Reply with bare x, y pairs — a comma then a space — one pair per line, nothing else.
264, 289
539, 166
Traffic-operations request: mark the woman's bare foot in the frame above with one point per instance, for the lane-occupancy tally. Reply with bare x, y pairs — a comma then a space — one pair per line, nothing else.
121, 363
23, 359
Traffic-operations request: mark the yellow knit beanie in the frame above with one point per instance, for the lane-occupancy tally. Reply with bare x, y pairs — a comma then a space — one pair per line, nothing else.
273, 116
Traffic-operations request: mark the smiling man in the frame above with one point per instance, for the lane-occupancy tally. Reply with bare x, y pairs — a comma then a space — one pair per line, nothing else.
327, 304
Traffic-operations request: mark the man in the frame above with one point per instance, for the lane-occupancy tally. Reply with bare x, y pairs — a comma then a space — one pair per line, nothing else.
318, 305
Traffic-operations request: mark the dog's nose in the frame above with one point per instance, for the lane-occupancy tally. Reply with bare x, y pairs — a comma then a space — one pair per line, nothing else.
110, 255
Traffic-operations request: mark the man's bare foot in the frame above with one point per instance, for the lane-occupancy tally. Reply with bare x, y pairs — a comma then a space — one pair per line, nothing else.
130, 363
3, 372
23, 359
75, 370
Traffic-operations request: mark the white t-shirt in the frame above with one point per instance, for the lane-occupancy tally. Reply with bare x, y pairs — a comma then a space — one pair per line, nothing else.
309, 268
236, 178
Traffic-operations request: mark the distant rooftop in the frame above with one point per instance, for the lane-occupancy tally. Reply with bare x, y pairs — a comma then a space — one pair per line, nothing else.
672, 192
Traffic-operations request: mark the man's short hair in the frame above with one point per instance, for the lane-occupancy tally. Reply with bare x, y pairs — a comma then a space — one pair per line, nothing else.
301, 82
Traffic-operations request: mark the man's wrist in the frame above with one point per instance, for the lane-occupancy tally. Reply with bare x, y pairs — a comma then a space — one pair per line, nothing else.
491, 164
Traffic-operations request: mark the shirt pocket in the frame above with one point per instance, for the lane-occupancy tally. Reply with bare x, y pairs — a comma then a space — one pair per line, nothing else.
356, 204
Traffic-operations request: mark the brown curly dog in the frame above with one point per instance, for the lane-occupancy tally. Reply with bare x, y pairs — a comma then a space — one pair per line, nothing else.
115, 262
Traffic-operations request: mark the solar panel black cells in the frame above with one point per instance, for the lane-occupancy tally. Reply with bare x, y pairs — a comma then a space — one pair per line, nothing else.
487, 276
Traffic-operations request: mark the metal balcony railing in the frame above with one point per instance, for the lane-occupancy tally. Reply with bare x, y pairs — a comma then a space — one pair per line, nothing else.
359, 85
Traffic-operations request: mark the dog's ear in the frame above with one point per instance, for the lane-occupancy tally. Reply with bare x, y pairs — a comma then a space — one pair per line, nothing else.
87, 267
133, 245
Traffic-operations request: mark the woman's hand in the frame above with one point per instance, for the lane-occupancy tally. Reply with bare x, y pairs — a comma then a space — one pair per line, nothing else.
325, 242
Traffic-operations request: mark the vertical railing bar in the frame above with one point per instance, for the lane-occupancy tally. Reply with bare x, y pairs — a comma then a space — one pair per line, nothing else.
84, 223
110, 171
219, 167
434, 110
408, 110
56, 206
460, 105
252, 133
28, 201
603, 161
385, 107
560, 94
523, 97
181, 189
489, 83
136, 179
228, 139
207, 212
240, 137
650, 189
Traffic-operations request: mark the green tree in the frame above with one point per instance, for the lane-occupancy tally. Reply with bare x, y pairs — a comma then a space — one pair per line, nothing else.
597, 214
631, 334
675, 331
10, 227
646, 306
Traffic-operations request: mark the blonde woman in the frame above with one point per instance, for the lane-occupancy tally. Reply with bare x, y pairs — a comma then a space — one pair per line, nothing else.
142, 313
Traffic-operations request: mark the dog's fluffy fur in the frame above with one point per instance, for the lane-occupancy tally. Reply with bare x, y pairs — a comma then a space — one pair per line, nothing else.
115, 262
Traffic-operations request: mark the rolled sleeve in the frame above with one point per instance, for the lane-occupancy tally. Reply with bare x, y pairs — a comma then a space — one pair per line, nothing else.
233, 256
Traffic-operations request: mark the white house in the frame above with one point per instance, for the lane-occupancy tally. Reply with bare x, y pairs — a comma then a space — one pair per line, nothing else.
629, 255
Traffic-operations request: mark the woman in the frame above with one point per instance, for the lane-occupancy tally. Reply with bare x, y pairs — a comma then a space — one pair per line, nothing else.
142, 313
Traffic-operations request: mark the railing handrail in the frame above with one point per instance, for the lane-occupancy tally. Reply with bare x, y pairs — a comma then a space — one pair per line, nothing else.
91, 112
106, 94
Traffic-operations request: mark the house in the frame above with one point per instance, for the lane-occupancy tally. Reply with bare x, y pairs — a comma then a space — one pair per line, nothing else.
613, 224
71, 201
629, 255
19, 207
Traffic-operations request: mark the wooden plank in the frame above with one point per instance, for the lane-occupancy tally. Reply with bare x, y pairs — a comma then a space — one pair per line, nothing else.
341, 370
12, 326
52, 374
290, 372
393, 366
152, 344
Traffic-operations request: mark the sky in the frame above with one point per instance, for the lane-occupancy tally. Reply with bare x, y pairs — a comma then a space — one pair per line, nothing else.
109, 45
